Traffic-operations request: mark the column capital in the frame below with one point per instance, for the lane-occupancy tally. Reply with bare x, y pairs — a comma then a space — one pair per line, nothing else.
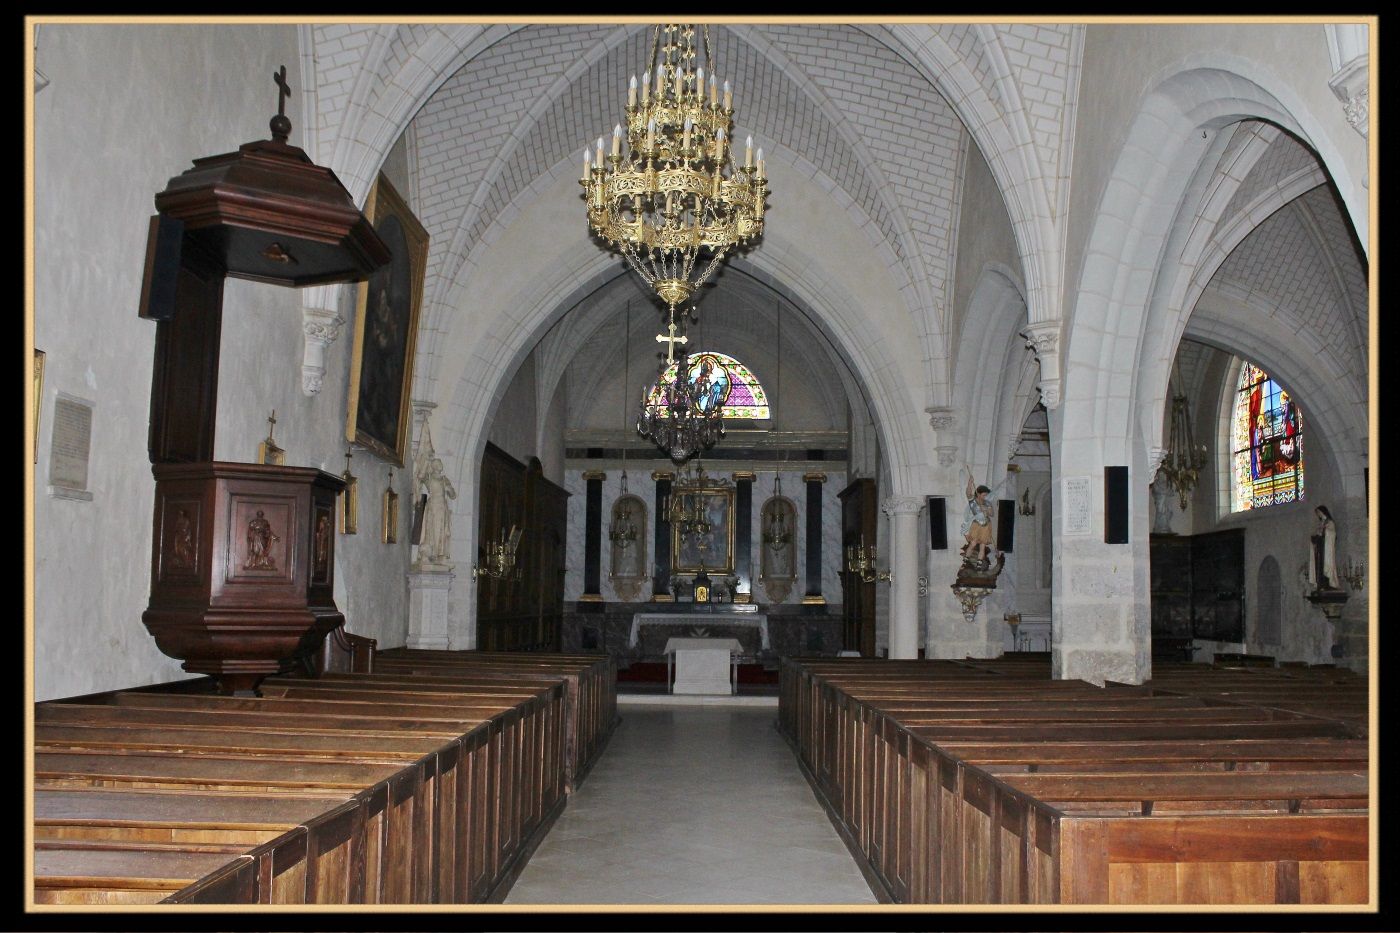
743, 476
591, 475
813, 477
1043, 338
658, 475
902, 505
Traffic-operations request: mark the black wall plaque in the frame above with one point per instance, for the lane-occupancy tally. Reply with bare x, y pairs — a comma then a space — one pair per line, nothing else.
1115, 498
937, 523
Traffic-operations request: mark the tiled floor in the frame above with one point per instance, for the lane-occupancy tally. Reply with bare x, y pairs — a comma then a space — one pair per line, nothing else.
693, 805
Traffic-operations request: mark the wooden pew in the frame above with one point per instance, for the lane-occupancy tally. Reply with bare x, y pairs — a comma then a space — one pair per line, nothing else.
978, 783
590, 685
427, 795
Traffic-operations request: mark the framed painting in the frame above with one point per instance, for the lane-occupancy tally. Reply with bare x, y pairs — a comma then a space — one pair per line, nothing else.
715, 549
386, 329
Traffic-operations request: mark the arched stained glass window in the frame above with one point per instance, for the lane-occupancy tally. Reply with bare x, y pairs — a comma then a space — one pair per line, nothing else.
736, 385
1268, 443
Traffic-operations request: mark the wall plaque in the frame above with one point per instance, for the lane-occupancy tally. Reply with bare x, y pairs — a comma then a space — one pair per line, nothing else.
71, 445
1078, 505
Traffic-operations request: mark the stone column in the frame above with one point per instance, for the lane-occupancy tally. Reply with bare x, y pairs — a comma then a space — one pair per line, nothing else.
1102, 604
593, 538
904, 574
661, 551
427, 608
813, 595
743, 535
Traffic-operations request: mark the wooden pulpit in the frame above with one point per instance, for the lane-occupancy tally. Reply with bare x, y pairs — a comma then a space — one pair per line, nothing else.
243, 554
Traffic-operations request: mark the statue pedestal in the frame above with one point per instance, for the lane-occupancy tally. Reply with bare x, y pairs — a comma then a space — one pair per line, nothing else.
428, 587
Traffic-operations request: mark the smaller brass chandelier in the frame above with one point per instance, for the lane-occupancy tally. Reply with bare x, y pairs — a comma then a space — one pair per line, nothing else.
860, 561
675, 193
686, 414
623, 531
500, 556
1185, 457
685, 509
776, 533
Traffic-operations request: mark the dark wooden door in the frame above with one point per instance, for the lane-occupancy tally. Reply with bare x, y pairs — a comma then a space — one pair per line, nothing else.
1170, 561
1217, 585
858, 518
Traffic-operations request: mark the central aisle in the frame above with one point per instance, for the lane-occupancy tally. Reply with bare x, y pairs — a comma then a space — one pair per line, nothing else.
693, 805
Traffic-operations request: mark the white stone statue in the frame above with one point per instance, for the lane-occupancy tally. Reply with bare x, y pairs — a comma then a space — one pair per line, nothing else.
435, 543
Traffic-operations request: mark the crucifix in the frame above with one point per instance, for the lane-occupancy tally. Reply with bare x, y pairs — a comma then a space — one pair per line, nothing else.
281, 126
670, 339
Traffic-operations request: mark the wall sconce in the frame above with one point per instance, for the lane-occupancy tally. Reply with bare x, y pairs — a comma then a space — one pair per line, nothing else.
861, 562
1354, 573
1027, 507
500, 556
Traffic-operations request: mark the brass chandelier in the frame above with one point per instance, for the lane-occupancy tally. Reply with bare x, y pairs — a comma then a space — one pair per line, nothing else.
686, 414
1185, 458
676, 194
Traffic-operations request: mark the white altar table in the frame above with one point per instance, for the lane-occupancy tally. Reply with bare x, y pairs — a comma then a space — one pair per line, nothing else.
704, 665
716, 619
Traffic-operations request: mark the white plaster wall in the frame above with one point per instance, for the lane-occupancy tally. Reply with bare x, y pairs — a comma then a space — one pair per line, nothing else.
1122, 62
92, 198
513, 429
103, 148
984, 236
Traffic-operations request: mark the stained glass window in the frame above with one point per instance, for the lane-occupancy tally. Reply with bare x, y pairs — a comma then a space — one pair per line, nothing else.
735, 385
1268, 443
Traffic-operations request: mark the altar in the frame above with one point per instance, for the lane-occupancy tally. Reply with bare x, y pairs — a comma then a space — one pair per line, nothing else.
703, 665
704, 623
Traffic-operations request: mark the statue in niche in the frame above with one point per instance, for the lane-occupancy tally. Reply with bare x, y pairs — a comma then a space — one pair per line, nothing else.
260, 540
1322, 567
436, 543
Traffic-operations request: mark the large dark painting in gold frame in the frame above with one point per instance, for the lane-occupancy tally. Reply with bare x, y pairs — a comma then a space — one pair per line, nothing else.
718, 553
386, 329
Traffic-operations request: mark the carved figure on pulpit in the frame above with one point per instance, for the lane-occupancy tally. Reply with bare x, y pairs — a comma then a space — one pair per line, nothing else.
260, 540
1322, 565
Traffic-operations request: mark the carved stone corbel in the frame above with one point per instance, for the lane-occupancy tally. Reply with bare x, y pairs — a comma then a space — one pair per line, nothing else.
941, 417
1156, 456
947, 454
1352, 85
320, 323
1043, 338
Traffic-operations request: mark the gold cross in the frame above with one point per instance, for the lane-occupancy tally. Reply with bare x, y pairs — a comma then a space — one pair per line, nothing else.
670, 339
271, 423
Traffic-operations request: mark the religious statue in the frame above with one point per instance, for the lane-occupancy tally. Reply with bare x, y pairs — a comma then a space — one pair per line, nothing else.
1322, 567
977, 524
435, 545
260, 541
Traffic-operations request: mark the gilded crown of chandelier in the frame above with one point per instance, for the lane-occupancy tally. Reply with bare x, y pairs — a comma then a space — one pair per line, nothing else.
676, 191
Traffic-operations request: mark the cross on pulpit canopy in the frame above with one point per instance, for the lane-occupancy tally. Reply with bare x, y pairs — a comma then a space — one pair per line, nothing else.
670, 339
281, 126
